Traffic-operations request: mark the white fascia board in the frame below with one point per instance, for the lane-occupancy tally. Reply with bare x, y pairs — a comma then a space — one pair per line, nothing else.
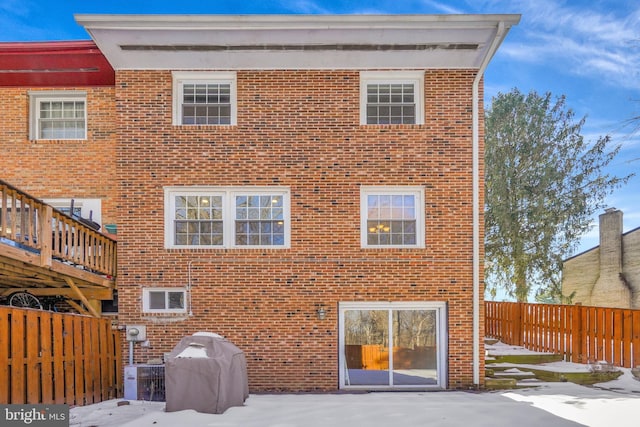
252, 22
293, 41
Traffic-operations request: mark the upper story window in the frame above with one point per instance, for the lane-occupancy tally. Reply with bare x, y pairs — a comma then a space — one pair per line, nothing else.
392, 217
204, 98
58, 115
391, 97
197, 217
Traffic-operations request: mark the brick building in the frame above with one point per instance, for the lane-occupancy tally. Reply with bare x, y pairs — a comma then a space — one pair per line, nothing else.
40, 155
309, 187
57, 139
607, 275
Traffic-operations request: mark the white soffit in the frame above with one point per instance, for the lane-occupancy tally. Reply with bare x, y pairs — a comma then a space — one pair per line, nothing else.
295, 41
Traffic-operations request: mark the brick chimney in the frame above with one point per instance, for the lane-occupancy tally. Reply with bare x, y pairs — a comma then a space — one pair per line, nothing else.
610, 290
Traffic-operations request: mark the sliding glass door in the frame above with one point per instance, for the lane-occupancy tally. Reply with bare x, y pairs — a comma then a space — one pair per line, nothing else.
392, 345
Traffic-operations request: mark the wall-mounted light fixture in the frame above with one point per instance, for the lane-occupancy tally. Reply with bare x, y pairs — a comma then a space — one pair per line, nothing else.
321, 312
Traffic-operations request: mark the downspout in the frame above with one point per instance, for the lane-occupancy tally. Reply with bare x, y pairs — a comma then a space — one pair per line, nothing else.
497, 39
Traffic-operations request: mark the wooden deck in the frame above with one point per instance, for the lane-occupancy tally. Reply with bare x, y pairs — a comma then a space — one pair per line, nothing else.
48, 253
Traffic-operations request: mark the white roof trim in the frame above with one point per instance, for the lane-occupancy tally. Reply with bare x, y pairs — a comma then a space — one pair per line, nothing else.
180, 42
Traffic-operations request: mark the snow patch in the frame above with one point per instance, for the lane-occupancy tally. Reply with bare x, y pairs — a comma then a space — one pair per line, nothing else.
194, 351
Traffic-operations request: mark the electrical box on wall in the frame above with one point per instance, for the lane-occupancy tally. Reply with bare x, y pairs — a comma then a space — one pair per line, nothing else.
136, 333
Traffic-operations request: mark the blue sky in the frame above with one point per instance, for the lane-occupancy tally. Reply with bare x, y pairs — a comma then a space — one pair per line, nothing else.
586, 50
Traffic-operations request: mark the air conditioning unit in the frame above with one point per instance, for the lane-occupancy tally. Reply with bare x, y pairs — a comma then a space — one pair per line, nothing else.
144, 382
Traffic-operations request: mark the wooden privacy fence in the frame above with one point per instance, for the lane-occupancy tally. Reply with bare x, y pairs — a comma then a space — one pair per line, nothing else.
376, 357
57, 358
582, 334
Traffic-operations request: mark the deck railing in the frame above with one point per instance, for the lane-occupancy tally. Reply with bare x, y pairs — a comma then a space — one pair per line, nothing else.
582, 334
26, 222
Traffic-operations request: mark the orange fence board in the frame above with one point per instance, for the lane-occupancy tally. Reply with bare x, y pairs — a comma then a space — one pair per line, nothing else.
33, 356
5, 330
46, 366
58, 360
18, 383
55, 358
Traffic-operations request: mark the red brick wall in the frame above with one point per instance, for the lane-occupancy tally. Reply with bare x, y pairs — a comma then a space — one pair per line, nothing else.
298, 129
61, 168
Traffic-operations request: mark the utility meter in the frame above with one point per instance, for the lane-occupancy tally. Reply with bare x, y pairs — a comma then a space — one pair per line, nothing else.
136, 333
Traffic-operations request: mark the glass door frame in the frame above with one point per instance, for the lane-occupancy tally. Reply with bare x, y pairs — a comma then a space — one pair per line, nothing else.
441, 341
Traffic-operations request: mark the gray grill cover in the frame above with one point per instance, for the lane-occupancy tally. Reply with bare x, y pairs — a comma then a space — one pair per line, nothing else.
209, 385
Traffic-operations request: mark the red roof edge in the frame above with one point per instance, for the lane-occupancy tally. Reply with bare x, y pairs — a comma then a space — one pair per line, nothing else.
54, 64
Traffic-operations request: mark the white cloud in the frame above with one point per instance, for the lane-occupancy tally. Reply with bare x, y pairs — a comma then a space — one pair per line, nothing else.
604, 46
306, 6
441, 7
16, 7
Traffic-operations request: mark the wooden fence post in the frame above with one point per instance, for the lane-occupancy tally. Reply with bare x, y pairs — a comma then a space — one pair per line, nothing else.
635, 334
517, 321
576, 334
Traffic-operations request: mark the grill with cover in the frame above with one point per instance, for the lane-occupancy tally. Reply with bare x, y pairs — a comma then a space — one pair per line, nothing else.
206, 373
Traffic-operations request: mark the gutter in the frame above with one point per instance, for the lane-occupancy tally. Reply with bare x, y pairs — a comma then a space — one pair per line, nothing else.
500, 34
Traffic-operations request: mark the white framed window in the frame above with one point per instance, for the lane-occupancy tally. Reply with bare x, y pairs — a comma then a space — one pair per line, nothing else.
164, 300
85, 208
237, 217
391, 97
204, 98
57, 115
392, 217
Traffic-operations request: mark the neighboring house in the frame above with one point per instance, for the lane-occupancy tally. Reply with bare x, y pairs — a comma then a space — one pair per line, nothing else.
57, 133
58, 128
607, 275
309, 187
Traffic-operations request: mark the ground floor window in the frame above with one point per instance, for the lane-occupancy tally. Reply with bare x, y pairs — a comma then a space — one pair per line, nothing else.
393, 345
163, 300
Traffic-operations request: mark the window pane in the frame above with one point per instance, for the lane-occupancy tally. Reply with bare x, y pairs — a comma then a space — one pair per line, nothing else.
242, 227
46, 130
61, 120
205, 227
254, 201
390, 103
265, 239
206, 103
265, 233
156, 300
409, 213
415, 339
254, 227
176, 300
198, 220
254, 213
79, 110
56, 110
45, 110
391, 219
